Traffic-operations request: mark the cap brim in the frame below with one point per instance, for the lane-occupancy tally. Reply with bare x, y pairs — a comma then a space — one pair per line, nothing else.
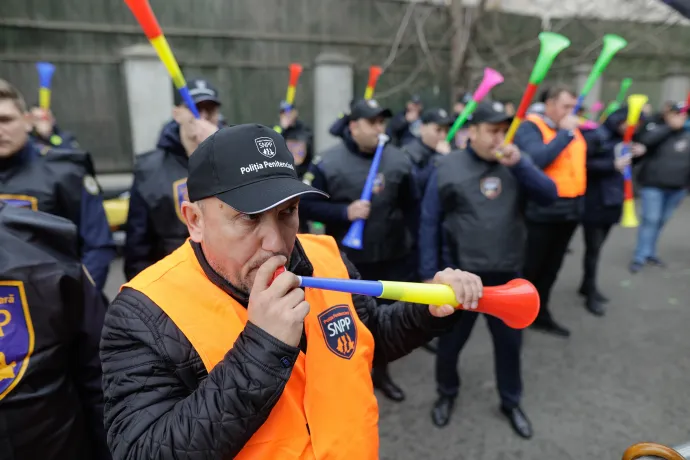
200, 99
493, 120
375, 113
261, 196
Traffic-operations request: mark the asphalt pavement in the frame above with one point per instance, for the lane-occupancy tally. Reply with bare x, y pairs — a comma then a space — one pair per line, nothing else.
618, 380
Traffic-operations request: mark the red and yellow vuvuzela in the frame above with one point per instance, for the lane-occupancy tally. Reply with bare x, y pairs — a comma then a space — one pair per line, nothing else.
141, 9
295, 72
374, 74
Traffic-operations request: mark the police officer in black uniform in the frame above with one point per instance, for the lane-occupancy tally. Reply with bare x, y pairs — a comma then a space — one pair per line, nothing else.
299, 139
404, 126
341, 171
472, 218
430, 144
56, 181
46, 132
423, 153
298, 136
155, 226
51, 316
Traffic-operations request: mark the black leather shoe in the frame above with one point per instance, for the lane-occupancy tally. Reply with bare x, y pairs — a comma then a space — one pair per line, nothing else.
596, 294
443, 408
389, 389
519, 421
594, 306
550, 327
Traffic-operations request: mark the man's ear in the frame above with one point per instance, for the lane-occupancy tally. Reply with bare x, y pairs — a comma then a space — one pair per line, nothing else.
194, 218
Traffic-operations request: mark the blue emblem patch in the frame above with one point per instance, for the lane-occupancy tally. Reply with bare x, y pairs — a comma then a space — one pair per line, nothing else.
16, 335
20, 201
339, 330
180, 194
379, 184
490, 187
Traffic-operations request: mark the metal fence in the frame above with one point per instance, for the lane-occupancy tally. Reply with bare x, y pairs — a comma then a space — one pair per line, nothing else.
245, 47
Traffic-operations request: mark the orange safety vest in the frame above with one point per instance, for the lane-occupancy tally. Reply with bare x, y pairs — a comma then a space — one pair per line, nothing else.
328, 410
569, 169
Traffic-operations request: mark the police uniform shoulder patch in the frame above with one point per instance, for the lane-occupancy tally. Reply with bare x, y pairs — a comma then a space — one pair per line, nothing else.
490, 187
90, 185
339, 330
16, 335
20, 201
180, 195
316, 160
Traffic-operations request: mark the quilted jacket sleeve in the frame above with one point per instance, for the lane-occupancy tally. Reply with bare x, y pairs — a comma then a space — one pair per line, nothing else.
154, 410
400, 327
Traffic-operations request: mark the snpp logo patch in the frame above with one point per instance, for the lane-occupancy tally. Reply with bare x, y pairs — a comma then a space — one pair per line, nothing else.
265, 146
179, 195
339, 330
16, 335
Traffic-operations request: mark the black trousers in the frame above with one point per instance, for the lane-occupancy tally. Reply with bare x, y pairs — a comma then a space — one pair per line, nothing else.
594, 235
507, 350
547, 244
396, 270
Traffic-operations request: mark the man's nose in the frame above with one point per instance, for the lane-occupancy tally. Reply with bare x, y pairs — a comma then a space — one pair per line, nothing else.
271, 237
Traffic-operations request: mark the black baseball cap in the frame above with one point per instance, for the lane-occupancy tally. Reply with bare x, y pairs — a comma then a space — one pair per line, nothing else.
201, 91
489, 112
249, 167
438, 116
679, 107
368, 108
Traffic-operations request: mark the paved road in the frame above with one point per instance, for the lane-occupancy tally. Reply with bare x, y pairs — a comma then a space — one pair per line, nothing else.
618, 380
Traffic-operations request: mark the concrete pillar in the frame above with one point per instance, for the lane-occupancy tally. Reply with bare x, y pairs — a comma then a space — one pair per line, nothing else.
676, 84
333, 91
149, 95
581, 73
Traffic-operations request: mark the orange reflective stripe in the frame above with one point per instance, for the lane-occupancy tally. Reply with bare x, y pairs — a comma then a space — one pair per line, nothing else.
569, 169
332, 413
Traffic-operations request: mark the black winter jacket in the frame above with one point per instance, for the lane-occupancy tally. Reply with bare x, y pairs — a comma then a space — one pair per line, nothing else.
51, 402
161, 403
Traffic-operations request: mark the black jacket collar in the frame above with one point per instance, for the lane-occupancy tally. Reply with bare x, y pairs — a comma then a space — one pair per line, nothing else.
299, 265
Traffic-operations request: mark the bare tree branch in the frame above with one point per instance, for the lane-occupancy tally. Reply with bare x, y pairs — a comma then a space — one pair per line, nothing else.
399, 36
423, 43
463, 23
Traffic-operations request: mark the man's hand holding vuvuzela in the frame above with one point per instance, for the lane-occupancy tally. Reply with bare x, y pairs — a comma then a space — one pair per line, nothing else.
467, 287
279, 307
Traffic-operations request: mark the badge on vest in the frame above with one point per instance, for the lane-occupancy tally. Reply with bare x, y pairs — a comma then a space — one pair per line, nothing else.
298, 149
681, 145
490, 187
379, 184
339, 330
180, 194
20, 201
16, 335
91, 185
